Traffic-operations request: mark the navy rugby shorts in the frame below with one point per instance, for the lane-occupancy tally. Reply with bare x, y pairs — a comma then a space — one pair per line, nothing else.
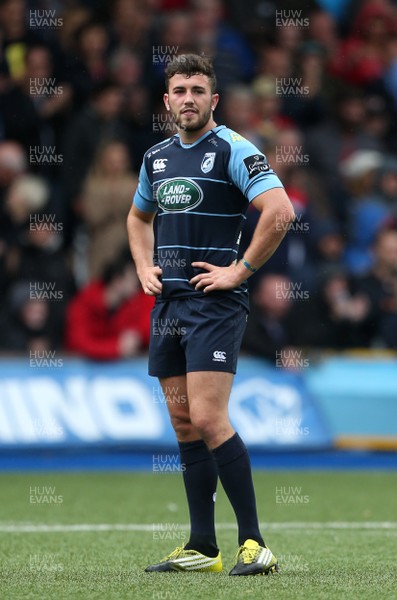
195, 334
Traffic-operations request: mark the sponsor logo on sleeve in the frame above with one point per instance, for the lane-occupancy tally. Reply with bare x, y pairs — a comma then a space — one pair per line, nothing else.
208, 162
256, 164
236, 137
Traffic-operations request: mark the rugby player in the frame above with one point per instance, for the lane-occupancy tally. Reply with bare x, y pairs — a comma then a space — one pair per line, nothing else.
199, 183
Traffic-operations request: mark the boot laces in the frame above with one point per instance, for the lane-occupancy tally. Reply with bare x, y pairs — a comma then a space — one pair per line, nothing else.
247, 555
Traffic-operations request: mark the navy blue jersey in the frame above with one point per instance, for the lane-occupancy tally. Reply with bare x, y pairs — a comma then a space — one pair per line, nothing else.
201, 192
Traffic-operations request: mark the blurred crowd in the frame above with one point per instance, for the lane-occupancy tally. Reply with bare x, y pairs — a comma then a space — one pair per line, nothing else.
81, 84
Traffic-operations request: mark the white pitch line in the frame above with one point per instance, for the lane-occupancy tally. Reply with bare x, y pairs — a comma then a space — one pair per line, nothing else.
289, 526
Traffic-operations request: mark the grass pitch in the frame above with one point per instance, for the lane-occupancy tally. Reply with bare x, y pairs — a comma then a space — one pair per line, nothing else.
91, 535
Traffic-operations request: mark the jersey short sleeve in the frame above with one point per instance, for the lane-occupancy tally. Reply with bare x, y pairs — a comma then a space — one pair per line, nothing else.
143, 198
248, 168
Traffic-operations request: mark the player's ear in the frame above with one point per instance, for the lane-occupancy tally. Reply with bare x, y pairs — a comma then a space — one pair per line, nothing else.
165, 98
215, 100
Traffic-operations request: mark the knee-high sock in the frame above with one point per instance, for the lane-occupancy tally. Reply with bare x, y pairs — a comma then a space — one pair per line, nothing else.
234, 470
200, 478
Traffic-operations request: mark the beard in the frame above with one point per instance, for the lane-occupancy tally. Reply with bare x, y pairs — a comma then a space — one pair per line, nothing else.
194, 126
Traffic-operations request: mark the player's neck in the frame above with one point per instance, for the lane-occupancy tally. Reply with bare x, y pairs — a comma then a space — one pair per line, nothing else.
189, 137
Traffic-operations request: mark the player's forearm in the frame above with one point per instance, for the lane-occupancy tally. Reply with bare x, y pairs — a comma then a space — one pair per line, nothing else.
141, 238
271, 228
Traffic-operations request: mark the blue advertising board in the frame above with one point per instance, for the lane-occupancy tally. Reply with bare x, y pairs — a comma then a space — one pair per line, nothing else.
71, 403
358, 395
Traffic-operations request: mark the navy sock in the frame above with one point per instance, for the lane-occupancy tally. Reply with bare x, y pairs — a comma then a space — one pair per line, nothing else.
234, 470
200, 478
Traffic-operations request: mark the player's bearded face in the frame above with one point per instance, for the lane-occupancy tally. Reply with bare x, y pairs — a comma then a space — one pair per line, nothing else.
191, 117
194, 122
190, 101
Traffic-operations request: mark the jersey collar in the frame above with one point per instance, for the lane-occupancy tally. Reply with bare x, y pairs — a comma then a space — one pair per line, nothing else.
206, 134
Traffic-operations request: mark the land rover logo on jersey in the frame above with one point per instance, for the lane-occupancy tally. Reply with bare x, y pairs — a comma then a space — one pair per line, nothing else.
177, 195
208, 162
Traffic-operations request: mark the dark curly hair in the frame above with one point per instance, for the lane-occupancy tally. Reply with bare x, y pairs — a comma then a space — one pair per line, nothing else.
191, 64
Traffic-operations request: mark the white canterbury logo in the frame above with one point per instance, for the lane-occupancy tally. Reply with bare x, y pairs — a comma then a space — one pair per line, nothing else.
159, 165
219, 356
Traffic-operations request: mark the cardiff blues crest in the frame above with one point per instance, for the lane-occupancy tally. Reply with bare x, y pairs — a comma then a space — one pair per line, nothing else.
208, 162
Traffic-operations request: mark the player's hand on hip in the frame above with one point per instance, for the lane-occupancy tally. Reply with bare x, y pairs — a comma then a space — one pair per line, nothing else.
215, 278
150, 281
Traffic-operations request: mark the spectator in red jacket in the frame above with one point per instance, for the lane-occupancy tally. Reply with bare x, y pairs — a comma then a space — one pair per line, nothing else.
109, 318
362, 56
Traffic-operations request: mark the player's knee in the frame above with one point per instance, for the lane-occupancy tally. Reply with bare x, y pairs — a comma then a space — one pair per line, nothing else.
182, 426
205, 425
